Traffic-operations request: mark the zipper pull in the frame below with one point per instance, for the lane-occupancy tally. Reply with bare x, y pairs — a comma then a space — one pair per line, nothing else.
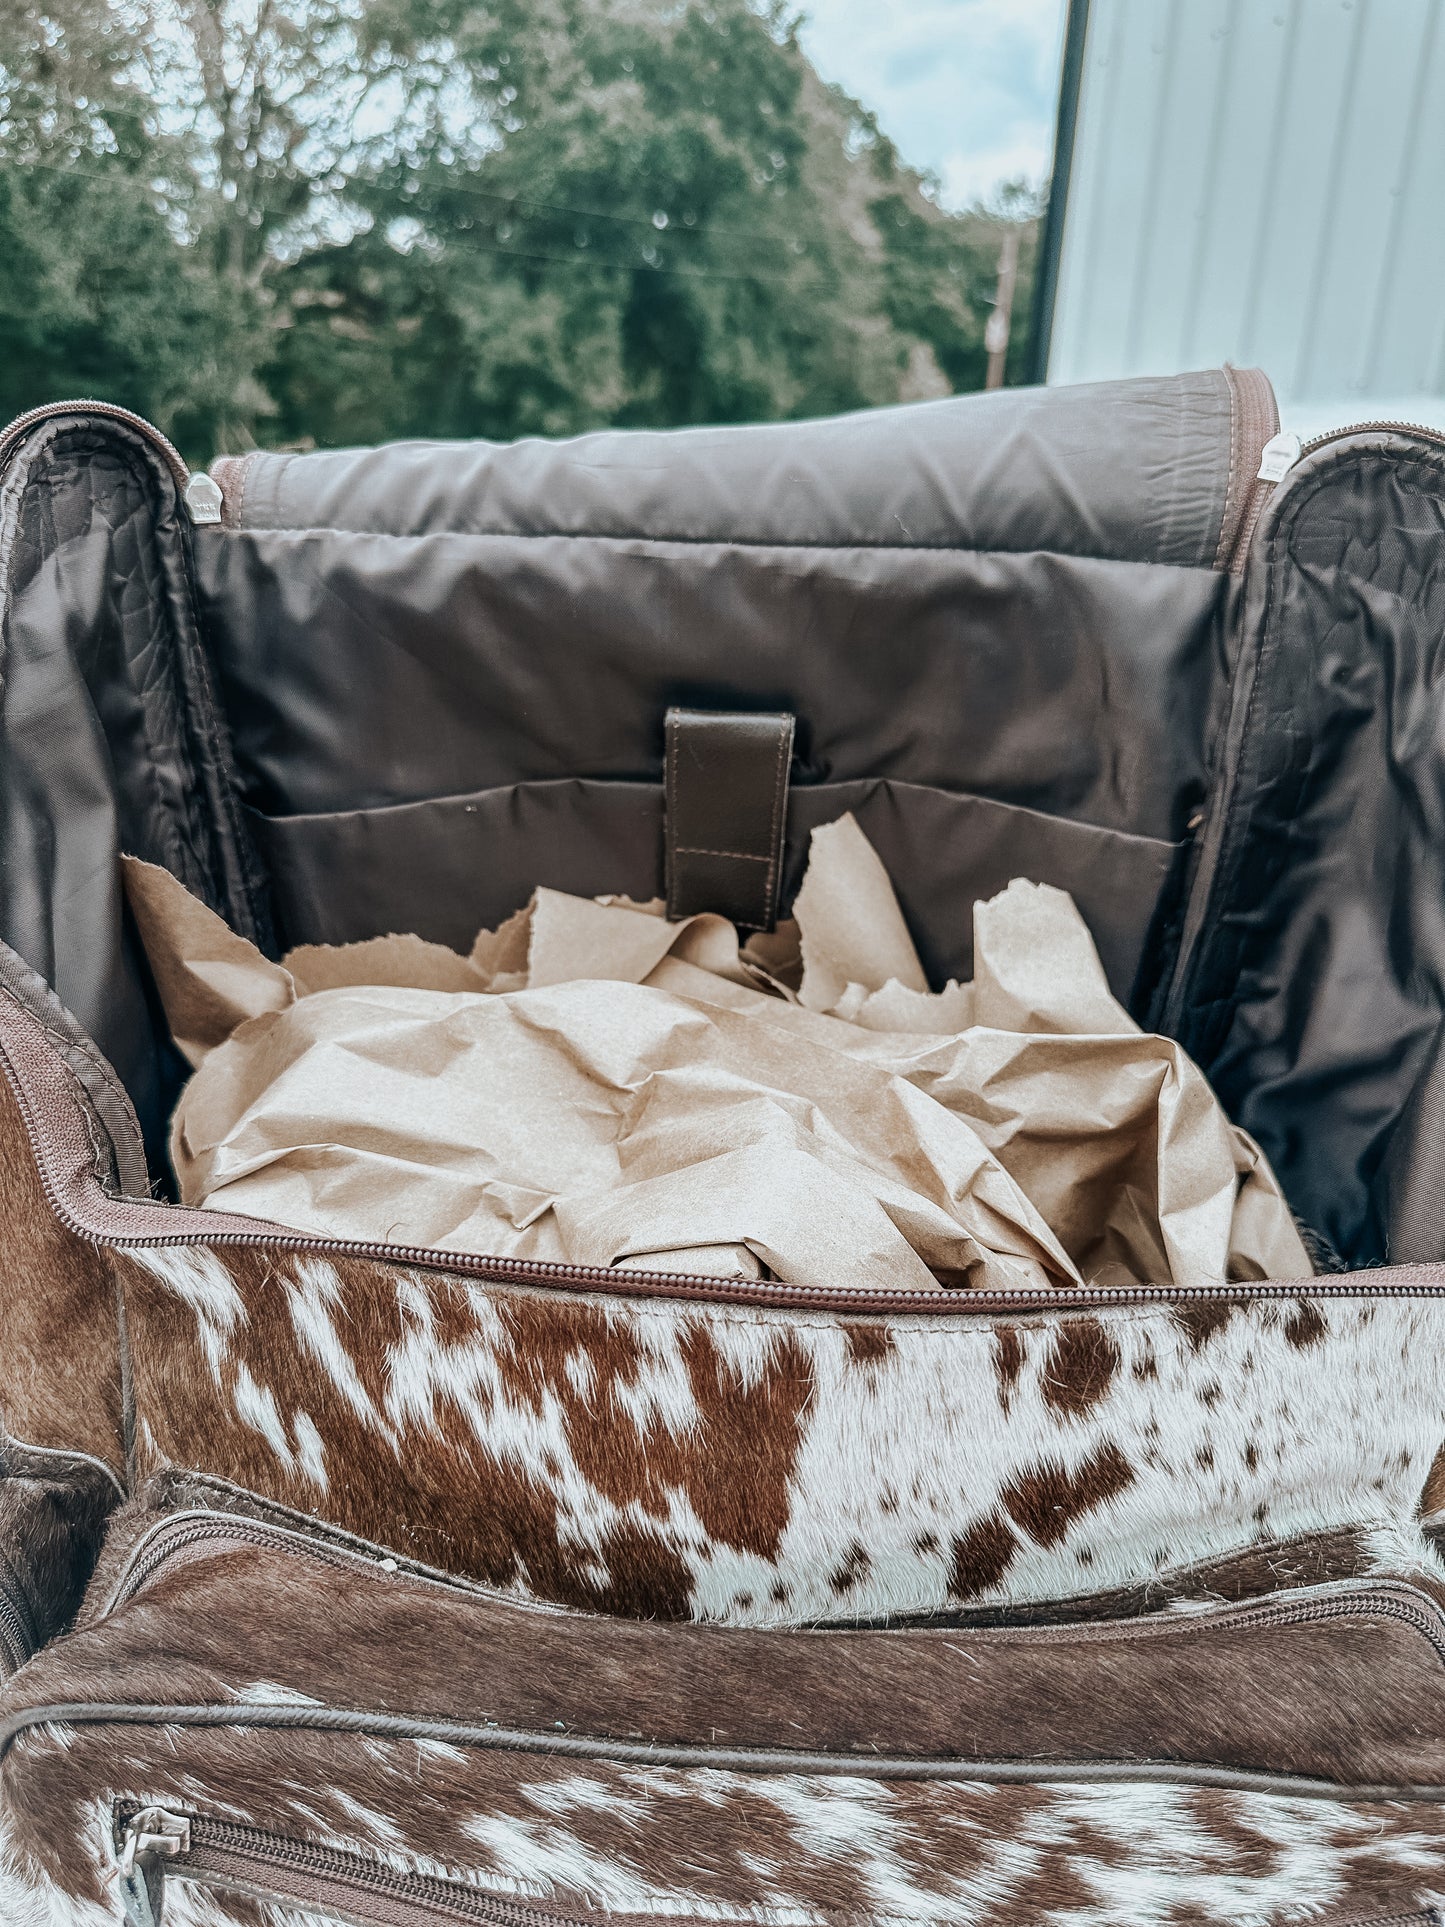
204, 500
1278, 457
150, 1836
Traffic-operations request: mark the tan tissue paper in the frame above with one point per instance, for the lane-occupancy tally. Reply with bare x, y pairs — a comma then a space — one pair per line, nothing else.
596, 1086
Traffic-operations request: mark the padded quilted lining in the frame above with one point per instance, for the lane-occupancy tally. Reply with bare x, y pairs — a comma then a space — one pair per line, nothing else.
110, 738
1314, 992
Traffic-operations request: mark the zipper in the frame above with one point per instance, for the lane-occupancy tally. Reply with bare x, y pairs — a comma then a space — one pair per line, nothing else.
229, 473
184, 1535
1422, 429
1427, 1918
1253, 424
199, 492
1279, 456
152, 1845
17, 1632
1410, 1281
1278, 459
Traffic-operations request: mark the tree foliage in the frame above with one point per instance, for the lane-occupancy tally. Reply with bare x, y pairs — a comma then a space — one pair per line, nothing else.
335, 221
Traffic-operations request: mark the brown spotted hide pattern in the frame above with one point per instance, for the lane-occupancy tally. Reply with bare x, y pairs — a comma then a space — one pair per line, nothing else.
674, 1523
752, 1467
763, 1795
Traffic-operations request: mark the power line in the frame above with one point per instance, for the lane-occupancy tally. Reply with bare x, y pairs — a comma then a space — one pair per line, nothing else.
466, 239
613, 264
698, 230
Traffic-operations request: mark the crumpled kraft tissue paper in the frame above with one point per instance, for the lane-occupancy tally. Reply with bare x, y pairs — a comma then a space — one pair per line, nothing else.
596, 1086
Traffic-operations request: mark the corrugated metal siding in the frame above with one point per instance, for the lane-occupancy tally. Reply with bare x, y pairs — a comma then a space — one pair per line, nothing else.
1260, 181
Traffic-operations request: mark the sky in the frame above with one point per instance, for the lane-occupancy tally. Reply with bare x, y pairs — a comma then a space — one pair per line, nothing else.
967, 88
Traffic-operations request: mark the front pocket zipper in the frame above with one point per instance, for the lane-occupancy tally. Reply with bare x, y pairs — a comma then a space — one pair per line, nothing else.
153, 1845
17, 1632
183, 1536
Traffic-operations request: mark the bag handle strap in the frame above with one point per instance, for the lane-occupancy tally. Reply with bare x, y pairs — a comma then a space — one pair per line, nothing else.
726, 797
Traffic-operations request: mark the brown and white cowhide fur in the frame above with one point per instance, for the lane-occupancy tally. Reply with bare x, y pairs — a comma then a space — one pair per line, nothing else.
640, 1845
53, 1508
302, 1629
750, 1466
687, 1459
60, 1343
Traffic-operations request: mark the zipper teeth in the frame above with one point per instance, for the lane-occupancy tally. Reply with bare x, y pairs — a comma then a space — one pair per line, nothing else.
1373, 1598
797, 1297
1262, 490
689, 1286
167, 1542
17, 1637
1423, 429
275, 1854
87, 404
338, 1865
1254, 422
1377, 1602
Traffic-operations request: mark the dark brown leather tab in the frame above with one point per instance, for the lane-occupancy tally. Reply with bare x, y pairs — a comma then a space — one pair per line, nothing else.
727, 808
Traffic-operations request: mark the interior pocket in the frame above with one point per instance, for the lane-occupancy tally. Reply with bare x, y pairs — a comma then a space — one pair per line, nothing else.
450, 866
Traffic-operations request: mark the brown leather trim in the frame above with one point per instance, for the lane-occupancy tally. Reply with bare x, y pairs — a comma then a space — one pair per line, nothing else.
726, 789
341, 1636
66, 1160
722, 1759
1253, 421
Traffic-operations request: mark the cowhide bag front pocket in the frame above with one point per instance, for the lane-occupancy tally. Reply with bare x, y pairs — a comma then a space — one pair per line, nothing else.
255, 1716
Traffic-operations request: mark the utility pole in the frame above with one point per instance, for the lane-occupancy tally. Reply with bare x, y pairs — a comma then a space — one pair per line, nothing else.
995, 335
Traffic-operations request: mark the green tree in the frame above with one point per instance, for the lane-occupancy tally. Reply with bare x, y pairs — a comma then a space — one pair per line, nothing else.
99, 292
341, 220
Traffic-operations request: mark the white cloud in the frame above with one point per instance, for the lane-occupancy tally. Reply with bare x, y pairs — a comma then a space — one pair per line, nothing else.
967, 88
969, 177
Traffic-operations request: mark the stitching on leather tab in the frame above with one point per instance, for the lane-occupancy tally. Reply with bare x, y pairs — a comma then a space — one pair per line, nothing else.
763, 909
740, 856
669, 804
775, 841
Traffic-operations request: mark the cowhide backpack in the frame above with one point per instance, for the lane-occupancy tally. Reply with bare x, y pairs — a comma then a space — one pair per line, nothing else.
364, 1583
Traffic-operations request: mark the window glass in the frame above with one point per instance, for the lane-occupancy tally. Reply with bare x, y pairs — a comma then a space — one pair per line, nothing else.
316, 222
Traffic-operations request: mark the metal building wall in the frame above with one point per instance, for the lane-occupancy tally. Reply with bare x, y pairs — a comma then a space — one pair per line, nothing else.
1261, 181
